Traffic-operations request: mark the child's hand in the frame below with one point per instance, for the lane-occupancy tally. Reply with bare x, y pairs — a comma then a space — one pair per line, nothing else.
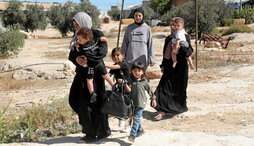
177, 46
103, 39
153, 103
120, 80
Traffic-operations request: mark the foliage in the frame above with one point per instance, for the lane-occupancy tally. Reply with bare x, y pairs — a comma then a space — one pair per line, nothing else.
91, 10
148, 13
114, 14
56, 117
35, 18
227, 22
10, 42
161, 6
61, 16
13, 15
211, 13
247, 13
237, 29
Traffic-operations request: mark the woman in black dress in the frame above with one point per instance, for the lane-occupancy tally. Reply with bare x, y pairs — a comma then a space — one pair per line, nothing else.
171, 92
94, 124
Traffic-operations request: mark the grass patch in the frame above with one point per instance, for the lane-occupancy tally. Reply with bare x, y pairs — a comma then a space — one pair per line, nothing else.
38, 123
233, 29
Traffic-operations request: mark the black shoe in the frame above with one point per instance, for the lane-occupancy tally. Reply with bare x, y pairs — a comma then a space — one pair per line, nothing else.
140, 132
102, 136
93, 97
89, 139
131, 138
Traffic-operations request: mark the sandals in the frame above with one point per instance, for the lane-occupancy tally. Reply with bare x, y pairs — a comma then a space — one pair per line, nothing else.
158, 117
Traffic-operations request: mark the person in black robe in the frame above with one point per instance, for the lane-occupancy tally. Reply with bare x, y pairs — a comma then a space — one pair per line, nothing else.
171, 91
94, 123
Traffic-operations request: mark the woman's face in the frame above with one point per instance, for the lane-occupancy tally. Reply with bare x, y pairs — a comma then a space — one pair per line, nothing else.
138, 17
75, 25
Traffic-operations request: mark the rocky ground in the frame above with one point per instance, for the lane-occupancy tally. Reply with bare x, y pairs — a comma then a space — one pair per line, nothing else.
220, 99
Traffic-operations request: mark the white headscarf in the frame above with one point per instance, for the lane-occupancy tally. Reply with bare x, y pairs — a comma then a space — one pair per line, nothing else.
83, 20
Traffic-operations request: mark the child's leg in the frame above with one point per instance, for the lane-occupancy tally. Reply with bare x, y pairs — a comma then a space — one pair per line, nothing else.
91, 90
108, 79
136, 120
90, 85
174, 52
189, 59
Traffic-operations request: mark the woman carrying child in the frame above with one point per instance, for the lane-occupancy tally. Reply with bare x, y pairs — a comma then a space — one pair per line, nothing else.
171, 93
94, 123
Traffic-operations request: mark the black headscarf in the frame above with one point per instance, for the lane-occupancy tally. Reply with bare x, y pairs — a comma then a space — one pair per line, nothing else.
142, 12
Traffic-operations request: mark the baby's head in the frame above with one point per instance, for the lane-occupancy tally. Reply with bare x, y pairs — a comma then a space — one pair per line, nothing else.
117, 55
175, 22
84, 35
178, 23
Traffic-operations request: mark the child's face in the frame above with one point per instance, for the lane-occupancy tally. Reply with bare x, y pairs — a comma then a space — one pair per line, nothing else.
178, 26
172, 25
117, 57
81, 40
137, 73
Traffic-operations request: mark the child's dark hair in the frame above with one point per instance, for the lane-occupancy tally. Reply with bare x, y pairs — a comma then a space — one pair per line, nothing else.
139, 65
86, 33
117, 49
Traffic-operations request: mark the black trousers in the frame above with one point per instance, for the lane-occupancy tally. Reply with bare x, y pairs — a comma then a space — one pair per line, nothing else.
93, 122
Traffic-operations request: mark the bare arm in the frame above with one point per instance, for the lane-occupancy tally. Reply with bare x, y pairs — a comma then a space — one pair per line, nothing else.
113, 66
177, 43
103, 39
127, 88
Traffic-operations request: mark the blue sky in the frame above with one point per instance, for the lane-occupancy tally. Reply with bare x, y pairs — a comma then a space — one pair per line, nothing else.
102, 5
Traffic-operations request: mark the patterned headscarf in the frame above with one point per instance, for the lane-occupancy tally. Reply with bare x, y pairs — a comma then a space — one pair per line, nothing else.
83, 20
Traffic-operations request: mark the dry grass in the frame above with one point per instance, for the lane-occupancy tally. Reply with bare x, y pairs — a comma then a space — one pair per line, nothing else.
7, 83
56, 55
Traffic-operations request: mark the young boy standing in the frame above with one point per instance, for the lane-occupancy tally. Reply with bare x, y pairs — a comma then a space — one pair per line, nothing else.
137, 89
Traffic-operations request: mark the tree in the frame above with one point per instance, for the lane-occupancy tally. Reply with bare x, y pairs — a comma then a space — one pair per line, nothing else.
114, 14
35, 18
13, 15
61, 16
161, 6
91, 10
211, 13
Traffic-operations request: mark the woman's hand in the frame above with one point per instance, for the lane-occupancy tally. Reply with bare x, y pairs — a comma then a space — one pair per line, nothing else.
153, 103
81, 60
152, 64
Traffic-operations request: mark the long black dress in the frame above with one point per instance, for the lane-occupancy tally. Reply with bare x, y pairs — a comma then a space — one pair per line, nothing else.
171, 91
94, 123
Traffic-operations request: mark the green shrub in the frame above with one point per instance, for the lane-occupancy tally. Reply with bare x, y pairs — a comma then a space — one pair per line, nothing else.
227, 22
38, 123
10, 42
237, 29
246, 13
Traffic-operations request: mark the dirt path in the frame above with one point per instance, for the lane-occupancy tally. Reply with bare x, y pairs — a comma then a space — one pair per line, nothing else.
220, 100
